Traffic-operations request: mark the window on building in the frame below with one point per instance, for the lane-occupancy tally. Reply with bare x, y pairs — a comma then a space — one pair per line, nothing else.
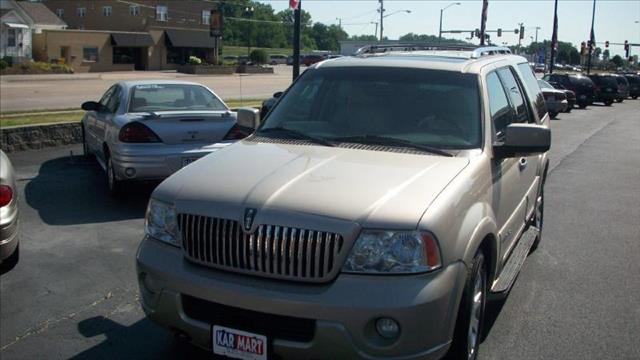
90, 54
106, 11
134, 10
11, 38
206, 17
81, 11
60, 12
162, 13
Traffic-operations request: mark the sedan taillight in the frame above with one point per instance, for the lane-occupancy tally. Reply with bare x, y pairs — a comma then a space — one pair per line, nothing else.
238, 132
6, 194
136, 132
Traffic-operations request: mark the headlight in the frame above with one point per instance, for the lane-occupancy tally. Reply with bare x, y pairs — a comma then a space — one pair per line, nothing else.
161, 222
393, 252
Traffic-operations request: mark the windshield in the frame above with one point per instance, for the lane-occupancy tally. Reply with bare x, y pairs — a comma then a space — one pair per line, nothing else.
439, 109
543, 84
173, 97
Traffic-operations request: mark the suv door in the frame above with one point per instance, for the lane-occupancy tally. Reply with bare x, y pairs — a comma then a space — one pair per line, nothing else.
527, 183
505, 172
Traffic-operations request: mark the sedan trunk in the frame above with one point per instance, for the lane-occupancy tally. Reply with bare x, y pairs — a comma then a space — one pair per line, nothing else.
180, 127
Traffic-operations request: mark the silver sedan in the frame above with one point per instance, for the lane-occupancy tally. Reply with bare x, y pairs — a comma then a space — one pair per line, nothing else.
147, 130
8, 214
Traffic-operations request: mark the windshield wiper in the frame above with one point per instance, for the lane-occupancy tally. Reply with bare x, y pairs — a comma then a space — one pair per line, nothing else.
390, 141
296, 134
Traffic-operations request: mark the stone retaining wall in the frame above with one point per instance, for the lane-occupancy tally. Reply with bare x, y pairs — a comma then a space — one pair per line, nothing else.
33, 137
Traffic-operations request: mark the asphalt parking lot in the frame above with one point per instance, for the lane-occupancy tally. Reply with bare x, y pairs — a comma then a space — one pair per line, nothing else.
74, 294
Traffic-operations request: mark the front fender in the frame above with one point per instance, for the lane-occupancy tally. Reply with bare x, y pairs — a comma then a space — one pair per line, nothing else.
479, 224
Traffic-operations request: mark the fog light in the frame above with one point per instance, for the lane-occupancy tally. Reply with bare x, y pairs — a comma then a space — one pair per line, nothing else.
148, 283
130, 172
387, 328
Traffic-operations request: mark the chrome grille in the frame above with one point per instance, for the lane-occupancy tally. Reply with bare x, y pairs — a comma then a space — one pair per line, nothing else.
271, 251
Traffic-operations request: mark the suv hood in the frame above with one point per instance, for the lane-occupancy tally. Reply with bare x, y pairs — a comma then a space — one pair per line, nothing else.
376, 189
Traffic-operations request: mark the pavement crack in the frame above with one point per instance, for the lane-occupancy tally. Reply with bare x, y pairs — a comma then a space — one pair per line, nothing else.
43, 326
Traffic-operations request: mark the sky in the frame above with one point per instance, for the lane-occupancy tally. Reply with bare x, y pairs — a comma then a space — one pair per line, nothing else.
615, 20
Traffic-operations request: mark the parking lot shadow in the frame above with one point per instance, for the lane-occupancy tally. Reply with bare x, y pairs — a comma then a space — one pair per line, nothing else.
72, 190
141, 340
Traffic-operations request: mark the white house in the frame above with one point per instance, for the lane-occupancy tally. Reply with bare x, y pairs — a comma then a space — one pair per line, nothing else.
18, 21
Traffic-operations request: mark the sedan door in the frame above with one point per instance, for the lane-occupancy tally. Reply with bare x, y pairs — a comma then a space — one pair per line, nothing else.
103, 119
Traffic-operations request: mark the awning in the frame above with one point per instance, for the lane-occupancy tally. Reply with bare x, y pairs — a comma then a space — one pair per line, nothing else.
189, 38
16, 25
131, 39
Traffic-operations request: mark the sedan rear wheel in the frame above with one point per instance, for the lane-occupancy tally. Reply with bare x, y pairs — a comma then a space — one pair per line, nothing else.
608, 102
113, 184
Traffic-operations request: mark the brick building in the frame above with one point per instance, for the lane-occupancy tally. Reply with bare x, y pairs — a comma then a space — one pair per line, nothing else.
125, 35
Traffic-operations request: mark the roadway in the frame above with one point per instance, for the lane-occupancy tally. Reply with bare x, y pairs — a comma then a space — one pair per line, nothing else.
74, 293
39, 92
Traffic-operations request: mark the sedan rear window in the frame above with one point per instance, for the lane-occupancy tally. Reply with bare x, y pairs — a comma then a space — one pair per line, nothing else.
173, 97
426, 107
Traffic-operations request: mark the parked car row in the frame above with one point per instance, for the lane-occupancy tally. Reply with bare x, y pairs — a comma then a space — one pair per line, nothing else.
596, 88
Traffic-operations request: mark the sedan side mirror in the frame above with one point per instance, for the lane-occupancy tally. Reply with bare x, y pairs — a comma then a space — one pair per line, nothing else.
277, 94
523, 140
249, 118
92, 106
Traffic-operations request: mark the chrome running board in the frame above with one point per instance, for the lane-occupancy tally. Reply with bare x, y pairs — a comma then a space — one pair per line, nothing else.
519, 254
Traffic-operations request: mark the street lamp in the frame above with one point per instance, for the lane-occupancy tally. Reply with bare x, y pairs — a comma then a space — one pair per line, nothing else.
375, 33
381, 11
398, 11
248, 12
441, 11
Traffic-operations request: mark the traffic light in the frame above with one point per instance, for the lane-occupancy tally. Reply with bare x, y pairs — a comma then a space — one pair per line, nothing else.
477, 33
606, 44
626, 48
472, 34
521, 32
499, 32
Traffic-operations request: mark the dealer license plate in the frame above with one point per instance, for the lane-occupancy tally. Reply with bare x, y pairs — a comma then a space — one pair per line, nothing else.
238, 344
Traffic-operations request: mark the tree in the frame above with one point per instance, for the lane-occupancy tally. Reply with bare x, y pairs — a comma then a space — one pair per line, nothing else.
258, 56
606, 55
596, 53
617, 60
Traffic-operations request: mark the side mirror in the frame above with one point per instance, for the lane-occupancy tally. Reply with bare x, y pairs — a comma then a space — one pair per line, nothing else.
249, 118
278, 94
91, 106
523, 140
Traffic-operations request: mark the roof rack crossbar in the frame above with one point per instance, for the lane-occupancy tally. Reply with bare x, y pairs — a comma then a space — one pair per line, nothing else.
476, 52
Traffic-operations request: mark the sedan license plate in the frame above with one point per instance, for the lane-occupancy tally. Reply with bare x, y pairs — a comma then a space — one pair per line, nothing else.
551, 98
238, 344
188, 160
582, 97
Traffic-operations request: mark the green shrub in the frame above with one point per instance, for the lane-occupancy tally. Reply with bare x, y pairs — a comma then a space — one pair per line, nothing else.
194, 60
8, 60
3, 64
258, 56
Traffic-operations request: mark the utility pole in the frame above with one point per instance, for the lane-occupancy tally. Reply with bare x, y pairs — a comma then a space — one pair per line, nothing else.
538, 28
554, 37
339, 22
381, 19
483, 21
592, 37
296, 40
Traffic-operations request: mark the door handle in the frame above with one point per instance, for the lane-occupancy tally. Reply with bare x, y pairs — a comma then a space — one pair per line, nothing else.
522, 164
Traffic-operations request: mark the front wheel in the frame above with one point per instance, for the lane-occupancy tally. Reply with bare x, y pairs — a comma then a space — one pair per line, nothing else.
634, 97
608, 102
582, 106
619, 100
467, 335
553, 115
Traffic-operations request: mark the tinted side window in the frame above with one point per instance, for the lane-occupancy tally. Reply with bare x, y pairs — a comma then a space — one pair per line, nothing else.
114, 101
501, 114
533, 90
517, 100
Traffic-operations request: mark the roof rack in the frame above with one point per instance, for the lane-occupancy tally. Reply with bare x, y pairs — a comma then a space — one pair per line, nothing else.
476, 52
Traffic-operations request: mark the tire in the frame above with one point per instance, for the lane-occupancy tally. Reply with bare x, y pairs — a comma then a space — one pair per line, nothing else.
634, 97
468, 331
582, 106
568, 109
85, 146
538, 220
608, 102
619, 100
553, 115
114, 186
11, 262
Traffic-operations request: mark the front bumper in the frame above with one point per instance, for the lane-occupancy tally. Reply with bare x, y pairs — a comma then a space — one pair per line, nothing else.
343, 312
156, 161
557, 106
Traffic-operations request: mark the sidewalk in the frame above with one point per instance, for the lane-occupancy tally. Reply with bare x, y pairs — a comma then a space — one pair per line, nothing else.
116, 75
